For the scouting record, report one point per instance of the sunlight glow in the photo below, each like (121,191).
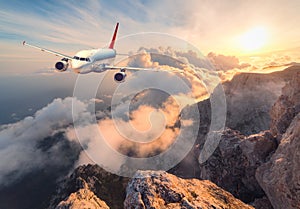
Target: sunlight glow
(253,39)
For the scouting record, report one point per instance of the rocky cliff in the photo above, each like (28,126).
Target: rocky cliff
(286,107)
(254,168)
(84,199)
(250,97)
(86,188)
(280,176)
(233,164)
(90,184)
(158,189)
(251,167)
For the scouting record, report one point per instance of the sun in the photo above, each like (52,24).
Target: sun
(253,39)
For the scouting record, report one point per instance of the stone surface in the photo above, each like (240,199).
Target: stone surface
(250,97)
(233,164)
(280,177)
(82,199)
(262,203)
(105,186)
(286,107)
(158,189)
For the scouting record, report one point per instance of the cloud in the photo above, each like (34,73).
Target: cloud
(33,143)
(150,126)
(97,100)
(188,67)
(224,63)
(20,145)
(185,57)
(149,131)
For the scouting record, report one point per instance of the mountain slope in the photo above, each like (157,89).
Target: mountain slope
(158,189)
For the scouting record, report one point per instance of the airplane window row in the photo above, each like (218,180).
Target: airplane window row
(82,59)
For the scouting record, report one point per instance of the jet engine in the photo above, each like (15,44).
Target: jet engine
(120,77)
(62,65)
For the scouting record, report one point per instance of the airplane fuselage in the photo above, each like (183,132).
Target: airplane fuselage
(85,58)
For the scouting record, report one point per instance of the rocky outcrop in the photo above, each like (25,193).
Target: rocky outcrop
(262,203)
(286,107)
(233,164)
(82,199)
(250,97)
(96,182)
(158,189)
(280,177)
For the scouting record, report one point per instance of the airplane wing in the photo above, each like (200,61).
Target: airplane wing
(175,70)
(47,50)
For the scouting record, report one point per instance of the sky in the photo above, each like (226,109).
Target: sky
(236,28)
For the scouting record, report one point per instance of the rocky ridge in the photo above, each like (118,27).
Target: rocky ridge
(158,189)
(90,182)
(286,107)
(84,199)
(233,164)
(250,97)
(280,176)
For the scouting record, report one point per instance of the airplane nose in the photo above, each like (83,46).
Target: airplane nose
(76,65)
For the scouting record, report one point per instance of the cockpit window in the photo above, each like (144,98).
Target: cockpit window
(82,58)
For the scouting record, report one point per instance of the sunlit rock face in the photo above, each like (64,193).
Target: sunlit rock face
(233,164)
(280,176)
(90,181)
(286,107)
(250,97)
(83,198)
(158,189)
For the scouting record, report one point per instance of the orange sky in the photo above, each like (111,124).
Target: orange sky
(245,29)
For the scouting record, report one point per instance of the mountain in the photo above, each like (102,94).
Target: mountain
(233,164)
(94,183)
(250,96)
(249,100)
(158,189)
(83,198)
(286,107)
(147,189)
(256,165)
(247,143)
(280,176)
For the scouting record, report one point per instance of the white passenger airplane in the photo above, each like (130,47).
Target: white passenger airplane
(85,61)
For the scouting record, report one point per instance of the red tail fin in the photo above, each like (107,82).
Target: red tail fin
(113,40)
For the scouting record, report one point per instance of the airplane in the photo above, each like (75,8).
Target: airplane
(85,61)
